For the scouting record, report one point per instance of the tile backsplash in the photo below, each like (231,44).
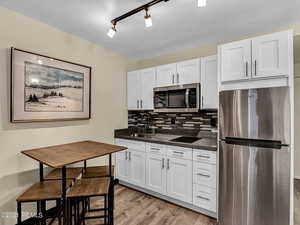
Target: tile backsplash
(202,121)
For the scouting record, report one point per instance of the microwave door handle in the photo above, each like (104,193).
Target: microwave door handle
(187,96)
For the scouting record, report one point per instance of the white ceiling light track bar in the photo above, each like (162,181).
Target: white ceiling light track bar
(148,20)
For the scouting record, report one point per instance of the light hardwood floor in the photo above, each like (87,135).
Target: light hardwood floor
(136,208)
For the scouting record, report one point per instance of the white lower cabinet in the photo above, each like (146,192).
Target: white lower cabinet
(131,167)
(179,179)
(179,173)
(205,180)
(205,174)
(122,165)
(156,173)
(205,197)
(137,167)
(131,163)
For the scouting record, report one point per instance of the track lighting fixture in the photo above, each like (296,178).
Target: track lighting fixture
(148,20)
(202,3)
(112,31)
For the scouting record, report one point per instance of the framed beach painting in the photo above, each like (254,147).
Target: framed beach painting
(48,89)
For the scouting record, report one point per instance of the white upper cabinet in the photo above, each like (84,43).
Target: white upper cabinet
(188,72)
(140,86)
(270,55)
(236,61)
(166,75)
(133,90)
(264,61)
(209,82)
(147,83)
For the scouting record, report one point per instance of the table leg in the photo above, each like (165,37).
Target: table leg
(43,203)
(64,191)
(84,165)
(111,191)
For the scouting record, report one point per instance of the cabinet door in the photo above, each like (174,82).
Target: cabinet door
(122,165)
(209,83)
(137,167)
(133,88)
(270,55)
(156,173)
(188,72)
(236,61)
(165,75)
(179,179)
(147,83)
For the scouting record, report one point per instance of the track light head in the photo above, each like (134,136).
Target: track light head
(112,31)
(202,3)
(148,19)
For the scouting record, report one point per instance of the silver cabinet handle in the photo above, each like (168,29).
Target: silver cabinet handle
(187,95)
(203,156)
(168,164)
(137,103)
(178,152)
(246,69)
(156,149)
(202,101)
(129,153)
(177,78)
(163,163)
(199,196)
(173,78)
(255,67)
(126,155)
(141,104)
(202,175)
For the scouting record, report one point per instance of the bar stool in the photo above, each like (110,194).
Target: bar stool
(84,189)
(72,173)
(97,171)
(39,192)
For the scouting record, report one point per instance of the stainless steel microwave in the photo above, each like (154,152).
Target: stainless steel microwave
(179,98)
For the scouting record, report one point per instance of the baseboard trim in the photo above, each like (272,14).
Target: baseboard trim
(168,199)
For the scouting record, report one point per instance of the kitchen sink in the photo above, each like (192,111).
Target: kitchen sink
(186,139)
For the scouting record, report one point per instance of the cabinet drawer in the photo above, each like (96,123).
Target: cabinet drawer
(180,152)
(205,156)
(133,145)
(204,197)
(155,148)
(204,174)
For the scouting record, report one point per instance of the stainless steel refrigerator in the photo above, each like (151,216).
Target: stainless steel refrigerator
(254,157)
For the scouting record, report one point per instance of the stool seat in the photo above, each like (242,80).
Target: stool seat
(45,190)
(89,187)
(72,173)
(97,171)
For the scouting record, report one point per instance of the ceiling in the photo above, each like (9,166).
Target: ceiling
(177,24)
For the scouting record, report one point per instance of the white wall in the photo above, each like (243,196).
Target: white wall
(108,101)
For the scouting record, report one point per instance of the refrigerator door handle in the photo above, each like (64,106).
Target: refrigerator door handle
(275,144)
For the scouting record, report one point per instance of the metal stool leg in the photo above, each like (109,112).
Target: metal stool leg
(38,211)
(43,211)
(105,209)
(19,209)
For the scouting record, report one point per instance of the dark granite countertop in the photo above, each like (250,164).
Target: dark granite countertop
(207,141)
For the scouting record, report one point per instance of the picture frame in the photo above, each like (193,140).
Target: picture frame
(47,89)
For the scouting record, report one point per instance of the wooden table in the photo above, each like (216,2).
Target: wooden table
(60,156)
